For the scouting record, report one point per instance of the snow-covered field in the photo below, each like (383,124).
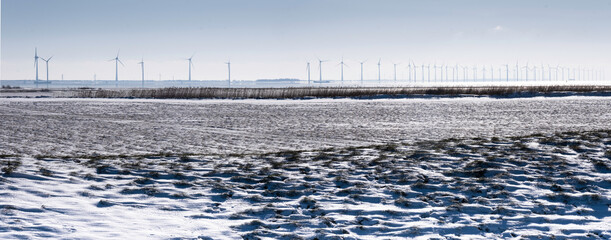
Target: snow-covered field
(537,187)
(75,127)
(287,169)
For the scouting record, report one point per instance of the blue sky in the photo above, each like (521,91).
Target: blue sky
(275,38)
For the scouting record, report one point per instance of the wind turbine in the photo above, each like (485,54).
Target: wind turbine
(228,72)
(36,65)
(395,70)
(517,72)
(190,64)
(117,61)
(415,72)
(142,63)
(428,69)
(549,73)
(526,69)
(484,73)
(409,71)
(446,73)
(342,68)
(507,71)
(308,70)
(455,71)
(47,64)
(562,78)
(320,68)
(435,71)
(422,71)
(379,71)
(362,71)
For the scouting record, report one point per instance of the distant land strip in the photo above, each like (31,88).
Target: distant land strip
(316,92)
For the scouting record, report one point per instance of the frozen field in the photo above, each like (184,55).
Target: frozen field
(311,169)
(555,186)
(84,127)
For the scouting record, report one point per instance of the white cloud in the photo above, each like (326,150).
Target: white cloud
(498,28)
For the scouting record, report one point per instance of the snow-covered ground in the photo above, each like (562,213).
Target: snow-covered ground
(551,186)
(75,127)
(463,168)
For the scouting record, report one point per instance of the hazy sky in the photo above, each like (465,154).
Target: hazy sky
(275,38)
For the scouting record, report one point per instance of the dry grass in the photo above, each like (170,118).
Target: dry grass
(329,92)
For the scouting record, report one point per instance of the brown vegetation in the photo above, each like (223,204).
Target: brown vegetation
(330,92)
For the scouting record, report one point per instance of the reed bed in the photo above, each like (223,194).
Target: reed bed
(333,92)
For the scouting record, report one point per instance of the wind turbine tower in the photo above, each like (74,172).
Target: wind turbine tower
(342,69)
(320,69)
(409,71)
(447,73)
(484,73)
(362,70)
(527,70)
(117,61)
(228,72)
(379,71)
(308,70)
(395,71)
(190,65)
(507,71)
(517,72)
(428,69)
(549,73)
(36,64)
(416,72)
(435,71)
(142,63)
(422,72)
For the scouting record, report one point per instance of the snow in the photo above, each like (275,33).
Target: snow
(282,169)
(73,127)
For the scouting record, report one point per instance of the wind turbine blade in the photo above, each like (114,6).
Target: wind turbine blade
(118,53)
(120,62)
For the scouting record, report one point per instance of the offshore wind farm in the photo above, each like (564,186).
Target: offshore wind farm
(274,119)
(441,75)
